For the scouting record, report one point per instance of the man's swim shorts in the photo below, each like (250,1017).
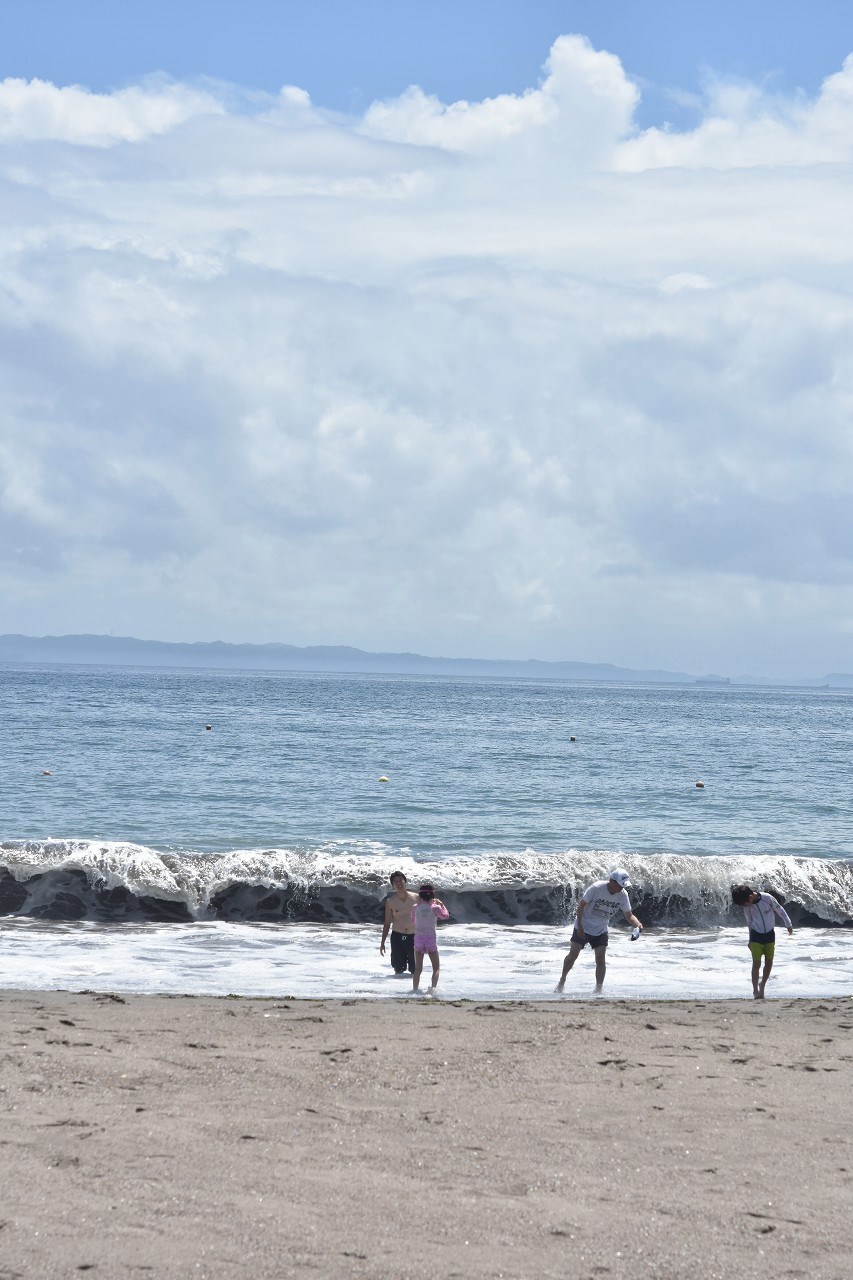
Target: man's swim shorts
(595,940)
(403,952)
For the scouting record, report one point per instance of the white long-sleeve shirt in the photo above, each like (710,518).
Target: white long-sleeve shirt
(761,916)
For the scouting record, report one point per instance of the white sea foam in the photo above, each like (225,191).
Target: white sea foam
(479,961)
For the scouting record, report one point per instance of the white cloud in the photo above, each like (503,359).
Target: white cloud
(585,102)
(684,280)
(32,110)
(500,377)
(745,127)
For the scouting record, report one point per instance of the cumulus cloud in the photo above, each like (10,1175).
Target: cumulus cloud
(509,377)
(746,127)
(585,101)
(31,110)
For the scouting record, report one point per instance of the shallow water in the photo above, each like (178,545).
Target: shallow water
(479,961)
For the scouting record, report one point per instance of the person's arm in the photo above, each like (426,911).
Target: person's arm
(440,909)
(781,914)
(579,921)
(386,926)
(632,919)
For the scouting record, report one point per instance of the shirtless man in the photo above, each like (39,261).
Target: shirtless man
(398,912)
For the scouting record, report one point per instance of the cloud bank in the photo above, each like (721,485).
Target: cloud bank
(507,378)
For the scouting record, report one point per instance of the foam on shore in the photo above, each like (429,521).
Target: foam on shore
(479,961)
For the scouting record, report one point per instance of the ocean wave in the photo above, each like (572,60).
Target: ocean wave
(110,881)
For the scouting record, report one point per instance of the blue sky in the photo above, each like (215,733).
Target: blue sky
(346,53)
(473,329)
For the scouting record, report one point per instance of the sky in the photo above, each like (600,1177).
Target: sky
(484,329)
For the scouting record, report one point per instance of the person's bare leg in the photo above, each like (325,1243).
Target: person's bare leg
(433,955)
(756,965)
(600,967)
(574,952)
(768,965)
(419,964)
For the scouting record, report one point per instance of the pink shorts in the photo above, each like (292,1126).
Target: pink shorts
(426,942)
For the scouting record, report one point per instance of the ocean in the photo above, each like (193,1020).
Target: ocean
(229,832)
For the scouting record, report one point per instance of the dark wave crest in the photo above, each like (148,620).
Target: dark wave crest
(84,879)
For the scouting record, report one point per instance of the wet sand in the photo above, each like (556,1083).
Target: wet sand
(198,1137)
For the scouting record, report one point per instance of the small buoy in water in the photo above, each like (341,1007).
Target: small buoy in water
(383,778)
(208,726)
(45,773)
(700,785)
(573,738)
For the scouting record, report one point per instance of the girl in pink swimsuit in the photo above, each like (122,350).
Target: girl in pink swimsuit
(426,911)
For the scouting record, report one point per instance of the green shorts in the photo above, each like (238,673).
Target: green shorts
(760,949)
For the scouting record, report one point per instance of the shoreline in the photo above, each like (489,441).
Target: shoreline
(214,1136)
(545,1002)
(479,962)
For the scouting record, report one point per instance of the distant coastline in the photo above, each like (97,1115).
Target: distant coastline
(217,654)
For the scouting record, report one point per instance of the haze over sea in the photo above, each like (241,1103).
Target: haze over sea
(158,854)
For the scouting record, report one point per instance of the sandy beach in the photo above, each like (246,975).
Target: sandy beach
(200,1137)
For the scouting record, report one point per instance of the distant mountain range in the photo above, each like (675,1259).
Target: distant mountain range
(127,651)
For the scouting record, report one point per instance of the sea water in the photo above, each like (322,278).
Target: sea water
(221,831)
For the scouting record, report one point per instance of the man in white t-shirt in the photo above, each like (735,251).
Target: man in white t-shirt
(599,902)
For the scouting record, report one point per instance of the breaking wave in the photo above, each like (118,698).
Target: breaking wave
(87,879)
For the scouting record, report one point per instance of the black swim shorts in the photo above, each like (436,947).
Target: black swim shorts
(403,952)
(595,940)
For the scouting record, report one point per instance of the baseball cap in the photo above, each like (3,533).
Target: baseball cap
(621,878)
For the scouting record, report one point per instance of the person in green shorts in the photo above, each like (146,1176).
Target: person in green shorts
(761,911)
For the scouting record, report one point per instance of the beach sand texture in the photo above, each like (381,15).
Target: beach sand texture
(418,1139)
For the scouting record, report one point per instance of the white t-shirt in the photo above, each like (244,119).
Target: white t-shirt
(601,904)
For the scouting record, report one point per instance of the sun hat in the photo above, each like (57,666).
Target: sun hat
(621,878)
